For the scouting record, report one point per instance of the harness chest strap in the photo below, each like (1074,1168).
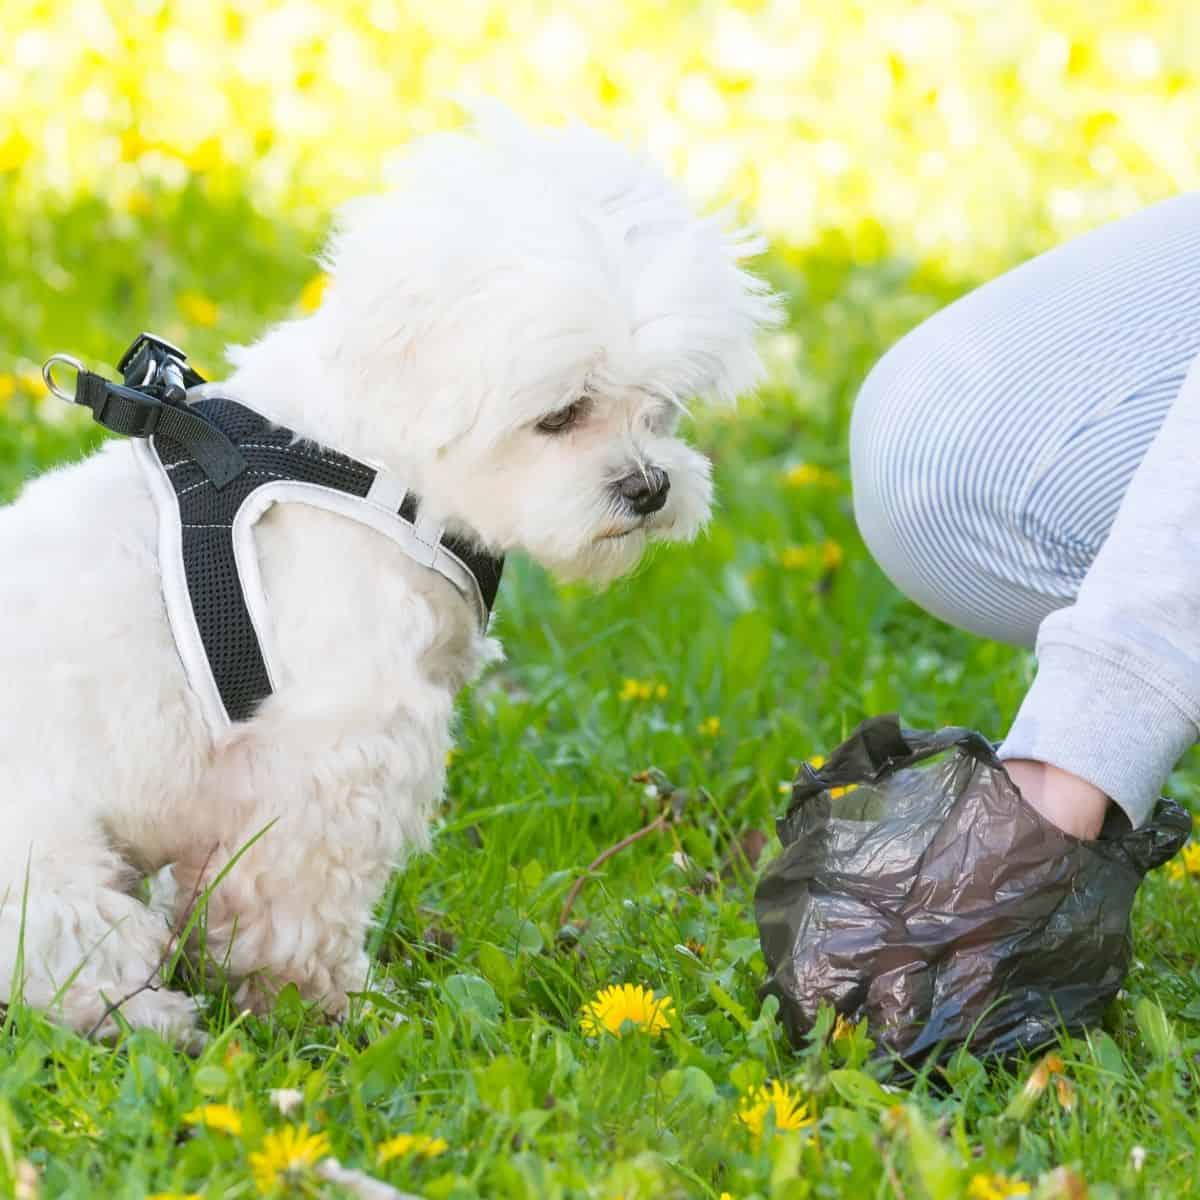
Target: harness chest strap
(213,589)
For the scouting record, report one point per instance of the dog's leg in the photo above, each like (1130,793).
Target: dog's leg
(338,807)
(86,949)
(267,928)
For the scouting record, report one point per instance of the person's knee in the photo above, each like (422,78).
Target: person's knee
(901,461)
(926,497)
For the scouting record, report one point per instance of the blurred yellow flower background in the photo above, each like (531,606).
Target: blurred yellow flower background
(959,128)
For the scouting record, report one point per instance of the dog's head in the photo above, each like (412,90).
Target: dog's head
(529,313)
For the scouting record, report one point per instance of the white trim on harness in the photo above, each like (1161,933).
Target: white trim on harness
(420,542)
(180,614)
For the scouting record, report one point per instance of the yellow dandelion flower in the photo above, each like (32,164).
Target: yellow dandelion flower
(832,556)
(1038,1081)
(796,558)
(995,1187)
(710,726)
(132,145)
(1188,862)
(216,1116)
(8,387)
(1050,1067)
(642,689)
(816,763)
(810,475)
(621,1003)
(204,156)
(137,203)
(802,475)
(286,1153)
(419,1144)
(233,1052)
(313,292)
(15,149)
(778,1100)
(31,383)
(726,1196)
(198,309)
(843,1029)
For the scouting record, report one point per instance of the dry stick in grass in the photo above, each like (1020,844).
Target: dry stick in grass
(893,1178)
(660,822)
(155,972)
(176,934)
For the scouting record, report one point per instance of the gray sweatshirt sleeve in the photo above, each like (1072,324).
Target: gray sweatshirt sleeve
(1116,700)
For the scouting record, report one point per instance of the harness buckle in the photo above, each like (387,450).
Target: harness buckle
(152,340)
(151,362)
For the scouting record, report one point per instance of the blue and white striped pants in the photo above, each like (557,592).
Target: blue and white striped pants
(1026,465)
(992,446)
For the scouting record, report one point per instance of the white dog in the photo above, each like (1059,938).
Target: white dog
(513,332)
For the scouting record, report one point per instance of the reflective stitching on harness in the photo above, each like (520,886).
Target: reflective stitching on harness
(208,483)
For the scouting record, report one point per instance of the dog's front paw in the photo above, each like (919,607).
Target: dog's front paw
(171,1014)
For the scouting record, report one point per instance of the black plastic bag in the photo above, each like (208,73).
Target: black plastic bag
(938,904)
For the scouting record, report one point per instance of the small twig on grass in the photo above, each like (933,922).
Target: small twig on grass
(660,822)
(197,902)
(151,983)
(894,1179)
(674,801)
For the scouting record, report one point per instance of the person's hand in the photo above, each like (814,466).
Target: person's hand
(1074,805)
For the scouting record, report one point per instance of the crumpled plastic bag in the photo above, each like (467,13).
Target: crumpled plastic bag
(938,904)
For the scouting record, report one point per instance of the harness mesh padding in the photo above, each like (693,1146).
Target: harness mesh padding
(207,515)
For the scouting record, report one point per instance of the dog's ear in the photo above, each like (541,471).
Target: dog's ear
(699,312)
(395,319)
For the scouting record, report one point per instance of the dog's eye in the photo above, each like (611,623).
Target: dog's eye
(559,422)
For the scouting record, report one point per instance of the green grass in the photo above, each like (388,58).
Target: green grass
(471,1032)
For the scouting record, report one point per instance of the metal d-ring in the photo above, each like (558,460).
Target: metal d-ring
(48,374)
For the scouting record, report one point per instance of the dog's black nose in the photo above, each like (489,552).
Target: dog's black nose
(645,491)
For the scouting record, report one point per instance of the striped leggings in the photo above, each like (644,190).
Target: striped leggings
(993,448)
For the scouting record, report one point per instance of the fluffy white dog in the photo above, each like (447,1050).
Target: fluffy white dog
(514,332)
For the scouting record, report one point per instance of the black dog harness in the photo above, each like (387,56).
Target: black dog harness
(214,467)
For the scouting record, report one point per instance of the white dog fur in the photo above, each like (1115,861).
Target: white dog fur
(513,273)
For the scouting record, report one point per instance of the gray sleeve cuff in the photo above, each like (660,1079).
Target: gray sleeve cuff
(1095,716)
